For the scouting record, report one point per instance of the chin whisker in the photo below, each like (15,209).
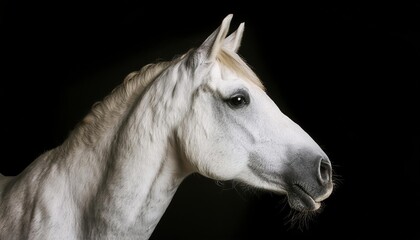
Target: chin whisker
(300,219)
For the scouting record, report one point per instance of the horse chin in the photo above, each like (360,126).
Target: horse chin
(300,200)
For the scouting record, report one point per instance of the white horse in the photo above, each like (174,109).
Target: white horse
(117,172)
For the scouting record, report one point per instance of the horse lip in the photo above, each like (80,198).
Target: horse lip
(302,199)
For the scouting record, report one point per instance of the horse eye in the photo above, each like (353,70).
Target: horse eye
(238,101)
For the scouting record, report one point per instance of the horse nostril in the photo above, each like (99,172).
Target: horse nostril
(325,171)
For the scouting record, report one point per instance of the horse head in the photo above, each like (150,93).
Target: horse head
(234,131)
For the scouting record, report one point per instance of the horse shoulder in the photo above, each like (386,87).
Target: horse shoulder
(33,202)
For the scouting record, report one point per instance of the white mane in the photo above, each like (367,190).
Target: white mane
(105,113)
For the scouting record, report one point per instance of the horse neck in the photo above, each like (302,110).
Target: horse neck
(143,168)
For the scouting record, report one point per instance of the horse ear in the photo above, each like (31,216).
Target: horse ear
(212,45)
(233,41)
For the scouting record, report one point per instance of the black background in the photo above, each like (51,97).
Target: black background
(347,73)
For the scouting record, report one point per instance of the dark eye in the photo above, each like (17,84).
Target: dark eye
(238,100)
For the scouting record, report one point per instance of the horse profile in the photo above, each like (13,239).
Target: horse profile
(204,112)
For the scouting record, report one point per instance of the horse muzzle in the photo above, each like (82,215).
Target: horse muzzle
(309,182)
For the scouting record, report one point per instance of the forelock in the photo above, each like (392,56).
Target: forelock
(236,64)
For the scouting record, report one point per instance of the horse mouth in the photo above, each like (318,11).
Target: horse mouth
(300,199)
